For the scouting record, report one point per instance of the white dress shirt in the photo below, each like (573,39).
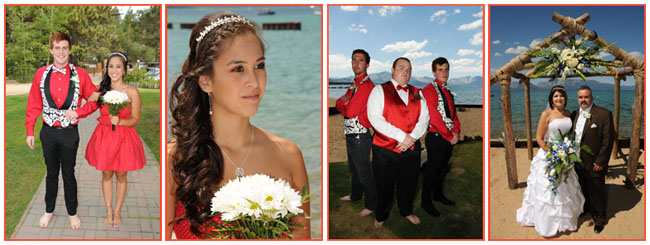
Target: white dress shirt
(580,124)
(376,109)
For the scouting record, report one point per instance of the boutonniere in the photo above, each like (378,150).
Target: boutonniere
(73,76)
(416,95)
(355,86)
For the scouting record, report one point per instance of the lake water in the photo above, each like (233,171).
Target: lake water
(468,96)
(539,101)
(291,107)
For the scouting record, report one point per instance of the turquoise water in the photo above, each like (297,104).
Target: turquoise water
(291,107)
(539,101)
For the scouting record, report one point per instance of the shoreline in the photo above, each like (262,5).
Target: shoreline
(470,129)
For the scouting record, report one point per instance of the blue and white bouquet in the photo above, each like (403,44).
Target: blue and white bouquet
(561,157)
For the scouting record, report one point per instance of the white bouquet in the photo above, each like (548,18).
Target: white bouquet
(256,207)
(115,101)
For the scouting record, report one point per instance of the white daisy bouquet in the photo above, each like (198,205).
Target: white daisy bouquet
(115,101)
(561,157)
(256,207)
(576,56)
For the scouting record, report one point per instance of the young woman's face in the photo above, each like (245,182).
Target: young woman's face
(558,100)
(238,80)
(115,68)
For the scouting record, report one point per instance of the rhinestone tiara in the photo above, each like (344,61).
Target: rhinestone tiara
(120,54)
(219,22)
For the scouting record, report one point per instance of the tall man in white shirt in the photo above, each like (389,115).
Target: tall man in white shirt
(594,128)
(399,116)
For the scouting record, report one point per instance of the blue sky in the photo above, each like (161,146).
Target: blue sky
(421,33)
(514,28)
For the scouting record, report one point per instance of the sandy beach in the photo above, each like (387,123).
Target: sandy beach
(337,151)
(625,208)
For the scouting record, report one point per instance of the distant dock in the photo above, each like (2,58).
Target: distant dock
(292,25)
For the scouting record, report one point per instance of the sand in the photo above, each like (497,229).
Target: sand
(337,151)
(625,207)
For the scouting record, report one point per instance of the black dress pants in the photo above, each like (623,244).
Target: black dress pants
(358,146)
(435,169)
(392,170)
(60,152)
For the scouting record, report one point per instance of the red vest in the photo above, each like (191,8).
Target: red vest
(398,114)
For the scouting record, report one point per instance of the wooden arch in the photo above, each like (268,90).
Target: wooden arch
(570,26)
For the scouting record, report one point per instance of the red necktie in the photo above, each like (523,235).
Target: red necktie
(405,88)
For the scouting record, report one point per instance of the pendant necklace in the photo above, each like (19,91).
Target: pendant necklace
(239,170)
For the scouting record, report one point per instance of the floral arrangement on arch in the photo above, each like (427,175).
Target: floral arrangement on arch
(578,57)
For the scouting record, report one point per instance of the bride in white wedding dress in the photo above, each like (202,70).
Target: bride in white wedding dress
(540,208)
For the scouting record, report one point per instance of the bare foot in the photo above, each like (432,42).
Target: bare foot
(108,222)
(45,220)
(117,219)
(365,212)
(378,224)
(413,219)
(75,222)
(345,198)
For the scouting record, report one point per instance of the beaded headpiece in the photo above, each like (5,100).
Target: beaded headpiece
(220,22)
(121,55)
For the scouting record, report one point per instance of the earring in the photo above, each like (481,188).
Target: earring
(210,99)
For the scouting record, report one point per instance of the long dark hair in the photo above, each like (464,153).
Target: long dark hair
(105,85)
(196,161)
(557,88)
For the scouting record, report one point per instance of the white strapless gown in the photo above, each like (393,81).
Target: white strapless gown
(551,214)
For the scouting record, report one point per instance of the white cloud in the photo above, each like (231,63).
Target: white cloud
(496,42)
(370,12)
(407,46)
(440,15)
(340,62)
(470,26)
(462,61)
(456,11)
(415,55)
(465,52)
(603,55)
(426,66)
(516,43)
(385,10)
(465,65)
(479,14)
(637,54)
(520,49)
(378,66)
(350,8)
(535,42)
(359,28)
(477,39)
(498,54)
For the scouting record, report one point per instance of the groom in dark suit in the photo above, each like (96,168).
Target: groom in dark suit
(594,128)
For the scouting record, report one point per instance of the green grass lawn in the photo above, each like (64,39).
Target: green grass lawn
(25,169)
(464,184)
(149,126)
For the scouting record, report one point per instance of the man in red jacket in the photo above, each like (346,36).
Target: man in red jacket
(358,139)
(444,128)
(56,92)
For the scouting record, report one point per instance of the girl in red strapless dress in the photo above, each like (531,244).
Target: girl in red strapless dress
(116,152)
(119,150)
